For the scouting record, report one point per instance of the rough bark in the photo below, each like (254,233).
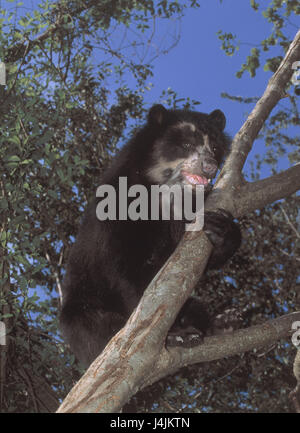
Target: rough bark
(136,356)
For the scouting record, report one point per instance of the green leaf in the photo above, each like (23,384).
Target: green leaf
(3,203)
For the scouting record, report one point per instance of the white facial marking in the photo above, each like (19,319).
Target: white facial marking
(182,125)
(206,140)
(156,172)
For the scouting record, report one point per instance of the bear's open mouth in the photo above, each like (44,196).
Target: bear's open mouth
(195,179)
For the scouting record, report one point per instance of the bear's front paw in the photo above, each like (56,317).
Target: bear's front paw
(224,234)
(217,225)
(185,337)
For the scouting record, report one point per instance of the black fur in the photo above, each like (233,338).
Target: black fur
(112,262)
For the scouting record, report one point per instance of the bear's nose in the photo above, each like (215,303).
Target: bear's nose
(209,167)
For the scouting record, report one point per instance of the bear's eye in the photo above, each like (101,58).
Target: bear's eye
(186,145)
(167,172)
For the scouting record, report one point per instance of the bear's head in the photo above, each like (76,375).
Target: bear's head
(188,146)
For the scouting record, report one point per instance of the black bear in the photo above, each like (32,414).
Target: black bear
(113,261)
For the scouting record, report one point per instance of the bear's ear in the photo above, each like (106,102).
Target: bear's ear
(218,118)
(157,114)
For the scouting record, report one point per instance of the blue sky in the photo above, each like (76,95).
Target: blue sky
(199,69)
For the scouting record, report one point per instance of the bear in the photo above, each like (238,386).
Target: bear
(113,261)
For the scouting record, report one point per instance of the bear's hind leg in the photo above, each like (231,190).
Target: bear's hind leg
(89,330)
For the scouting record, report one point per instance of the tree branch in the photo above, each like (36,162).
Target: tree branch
(221,346)
(258,194)
(129,360)
(276,90)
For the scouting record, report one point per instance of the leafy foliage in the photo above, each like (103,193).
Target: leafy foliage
(278,14)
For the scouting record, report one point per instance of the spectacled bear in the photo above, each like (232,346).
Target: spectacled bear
(113,261)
